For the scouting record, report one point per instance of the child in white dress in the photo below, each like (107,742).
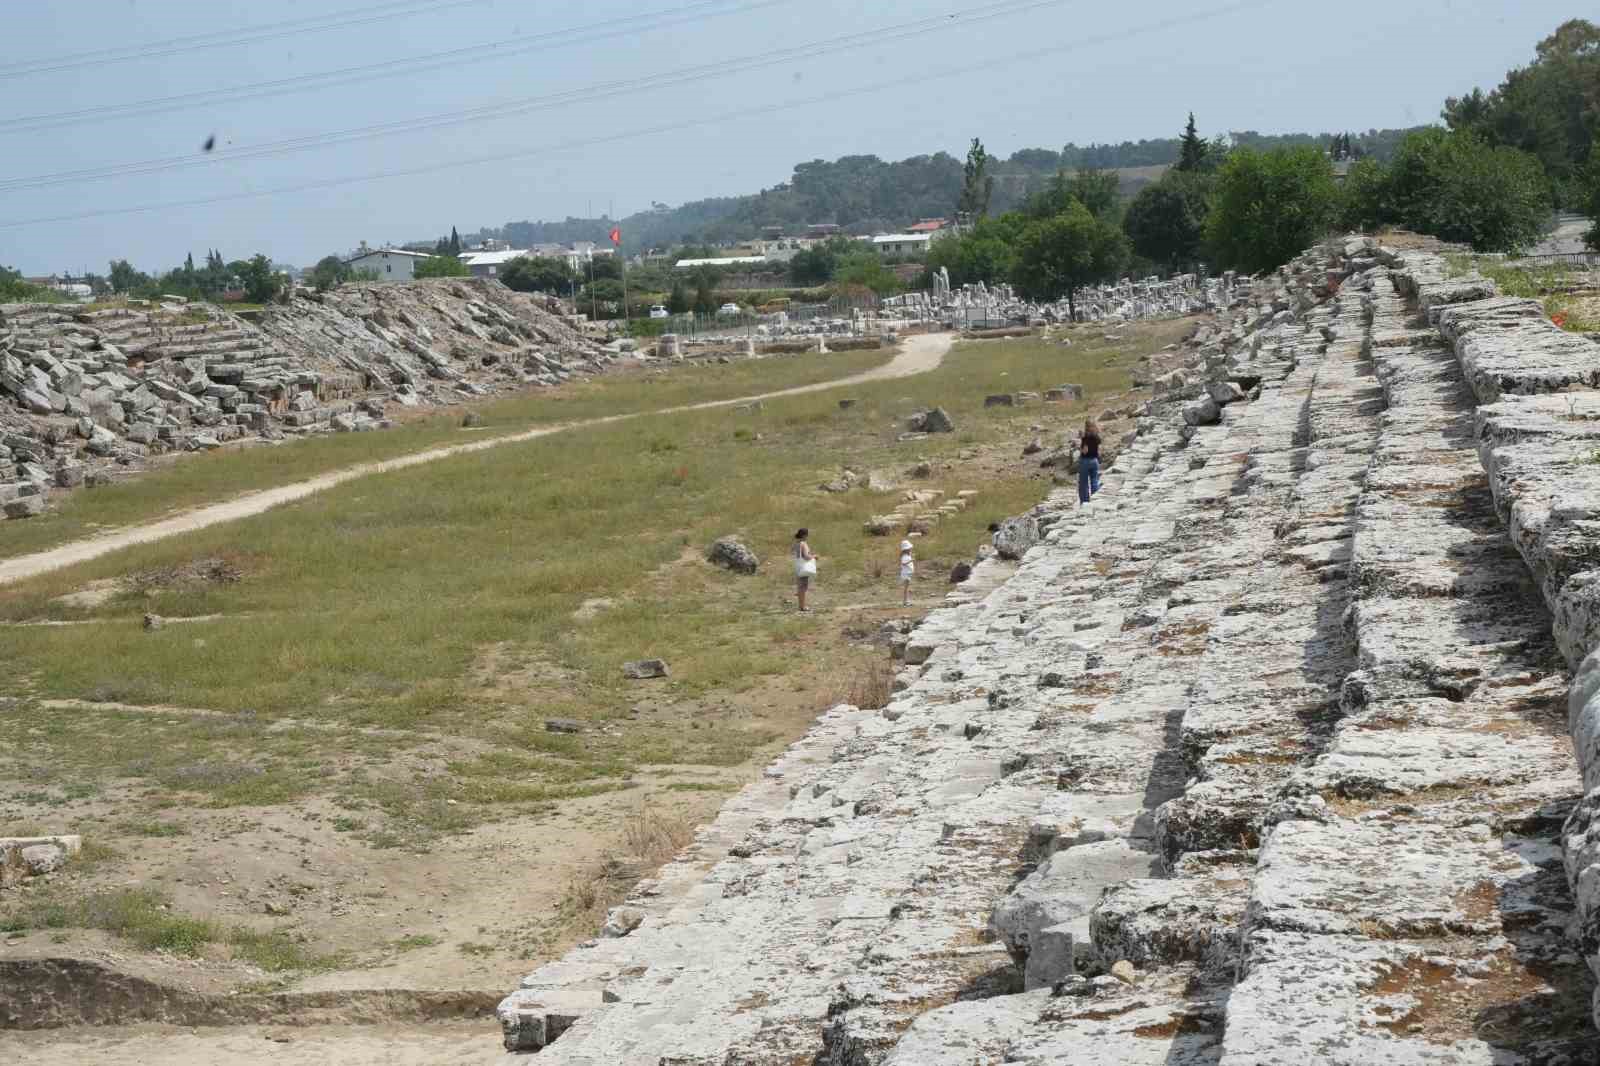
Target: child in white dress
(908,567)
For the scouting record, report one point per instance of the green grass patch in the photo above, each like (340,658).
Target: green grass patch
(398,645)
(413,941)
(144,918)
(208,477)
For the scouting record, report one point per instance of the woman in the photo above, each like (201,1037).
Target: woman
(805,566)
(908,569)
(1088,461)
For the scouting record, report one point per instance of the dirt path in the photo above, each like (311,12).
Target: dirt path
(454,1044)
(917,355)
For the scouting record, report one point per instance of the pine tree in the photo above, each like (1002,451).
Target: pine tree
(455,242)
(1192,155)
(977,184)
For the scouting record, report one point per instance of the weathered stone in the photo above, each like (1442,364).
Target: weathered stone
(1015,536)
(730,553)
(644,669)
(24,507)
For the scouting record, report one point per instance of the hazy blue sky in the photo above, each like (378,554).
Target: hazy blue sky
(1121,71)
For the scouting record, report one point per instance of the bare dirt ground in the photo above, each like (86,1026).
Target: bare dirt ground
(918,355)
(453,1044)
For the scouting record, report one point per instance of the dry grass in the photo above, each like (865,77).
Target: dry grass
(651,838)
(870,687)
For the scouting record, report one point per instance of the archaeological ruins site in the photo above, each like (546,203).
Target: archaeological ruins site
(1272,754)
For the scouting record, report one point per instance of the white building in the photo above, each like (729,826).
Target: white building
(906,244)
(390,264)
(490,264)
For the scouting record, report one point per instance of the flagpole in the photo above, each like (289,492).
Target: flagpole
(627,319)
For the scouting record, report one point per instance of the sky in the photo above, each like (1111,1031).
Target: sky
(626,104)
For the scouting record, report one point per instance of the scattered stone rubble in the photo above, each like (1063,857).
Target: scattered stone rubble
(981,306)
(86,395)
(1257,759)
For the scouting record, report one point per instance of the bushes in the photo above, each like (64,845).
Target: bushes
(1269,206)
(14,289)
(1456,187)
(1167,221)
(537,274)
(1064,253)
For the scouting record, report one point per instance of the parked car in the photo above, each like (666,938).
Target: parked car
(658,311)
(729,309)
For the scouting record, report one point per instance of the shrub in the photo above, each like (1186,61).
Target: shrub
(1270,206)
(1456,187)
(1167,220)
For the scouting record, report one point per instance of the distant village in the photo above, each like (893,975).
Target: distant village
(488,258)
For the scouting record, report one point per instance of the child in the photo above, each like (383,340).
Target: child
(908,567)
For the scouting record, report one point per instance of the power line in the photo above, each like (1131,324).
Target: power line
(587,94)
(269,31)
(567,146)
(490,50)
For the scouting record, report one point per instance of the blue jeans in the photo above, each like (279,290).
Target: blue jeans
(1088,479)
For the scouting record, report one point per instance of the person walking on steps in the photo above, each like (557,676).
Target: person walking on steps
(805,566)
(908,567)
(1088,460)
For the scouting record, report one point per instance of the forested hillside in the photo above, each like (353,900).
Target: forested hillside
(864,193)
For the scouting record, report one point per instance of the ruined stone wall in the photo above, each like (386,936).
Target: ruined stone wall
(86,395)
(1258,759)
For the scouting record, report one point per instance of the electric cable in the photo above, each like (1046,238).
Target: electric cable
(673,127)
(587,94)
(394,68)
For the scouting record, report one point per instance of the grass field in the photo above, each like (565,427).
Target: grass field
(192,480)
(391,651)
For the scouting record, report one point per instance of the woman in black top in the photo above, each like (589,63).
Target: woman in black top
(1088,461)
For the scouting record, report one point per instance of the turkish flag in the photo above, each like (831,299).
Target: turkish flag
(616,235)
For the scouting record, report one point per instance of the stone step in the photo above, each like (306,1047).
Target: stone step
(1410,886)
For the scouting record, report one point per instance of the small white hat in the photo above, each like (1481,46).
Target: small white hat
(905,545)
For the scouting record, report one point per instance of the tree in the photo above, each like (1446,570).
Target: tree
(1191,149)
(455,243)
(1269,206)
(1591,198)
(1057,256)
(678,301)
(816,265)
(440,266)
(864,269)
(1457,187)
(986,253)
(529,273)
(606,290)
(261,283)
(1166,222)
(977,185)
(705,301)
(124,278)
(1366,196)
(1550,108)
(329,273)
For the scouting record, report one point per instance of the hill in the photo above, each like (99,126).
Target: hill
(864,193)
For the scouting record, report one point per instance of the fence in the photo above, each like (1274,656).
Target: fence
(1584,260)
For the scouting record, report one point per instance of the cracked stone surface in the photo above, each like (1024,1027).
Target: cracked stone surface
(1275,727)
